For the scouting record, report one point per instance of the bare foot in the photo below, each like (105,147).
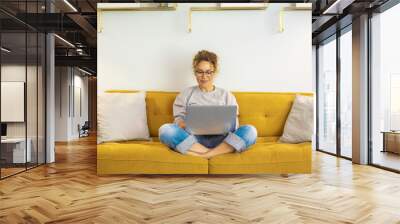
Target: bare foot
(194,153)
(206,155)
(222,148)
(203,155)
(199,148)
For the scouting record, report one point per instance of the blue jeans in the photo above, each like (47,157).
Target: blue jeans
(180,140)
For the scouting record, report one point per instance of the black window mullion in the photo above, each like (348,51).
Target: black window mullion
(317,96)
(26,87)
(45,93)
(369,90)
(338,82)
(37,89)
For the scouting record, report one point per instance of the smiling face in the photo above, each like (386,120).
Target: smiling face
(205,74)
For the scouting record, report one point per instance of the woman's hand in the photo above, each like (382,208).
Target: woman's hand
(182,124)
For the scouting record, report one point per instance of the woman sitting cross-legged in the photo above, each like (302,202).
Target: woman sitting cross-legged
(205,66)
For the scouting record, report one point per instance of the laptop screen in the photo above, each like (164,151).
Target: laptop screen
(3,129)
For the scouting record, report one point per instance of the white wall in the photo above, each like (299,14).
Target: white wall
(69,82)
(62,81)
(79,117)
(153,50)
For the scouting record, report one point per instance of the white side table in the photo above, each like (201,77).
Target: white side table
(19,149)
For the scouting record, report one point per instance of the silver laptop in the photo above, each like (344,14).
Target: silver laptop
(210,120)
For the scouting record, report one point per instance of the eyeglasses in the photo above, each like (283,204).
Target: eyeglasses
(199,73)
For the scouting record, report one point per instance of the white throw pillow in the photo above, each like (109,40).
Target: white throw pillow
(122,116)
(299,126)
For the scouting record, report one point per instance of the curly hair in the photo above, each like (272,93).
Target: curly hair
(205,55)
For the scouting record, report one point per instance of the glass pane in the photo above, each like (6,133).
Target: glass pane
(394,102)
(31,100)
(327,97)
(386,89)
(22,88)
(31,87)
(13,87)
(41,98)
(346,94)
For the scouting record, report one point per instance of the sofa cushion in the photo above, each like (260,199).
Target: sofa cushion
(267,112)
(146,158)
(159,109)
(152,157)
(267,139)
(269,116)
(269,157)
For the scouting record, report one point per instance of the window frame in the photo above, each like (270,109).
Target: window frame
(334,37)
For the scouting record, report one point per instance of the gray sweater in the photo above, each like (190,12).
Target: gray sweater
(194,96)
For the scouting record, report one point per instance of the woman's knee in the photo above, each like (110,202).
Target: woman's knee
(172,135)
(167,131)
(248,133)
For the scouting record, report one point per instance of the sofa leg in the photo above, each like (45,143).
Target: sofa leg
(286,175)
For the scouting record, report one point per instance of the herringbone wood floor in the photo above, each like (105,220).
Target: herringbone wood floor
(69,191)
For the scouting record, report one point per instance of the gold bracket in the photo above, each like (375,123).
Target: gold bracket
(135,7)
(219,7)
(296,7)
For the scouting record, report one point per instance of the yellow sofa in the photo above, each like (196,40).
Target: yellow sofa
(266,111)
